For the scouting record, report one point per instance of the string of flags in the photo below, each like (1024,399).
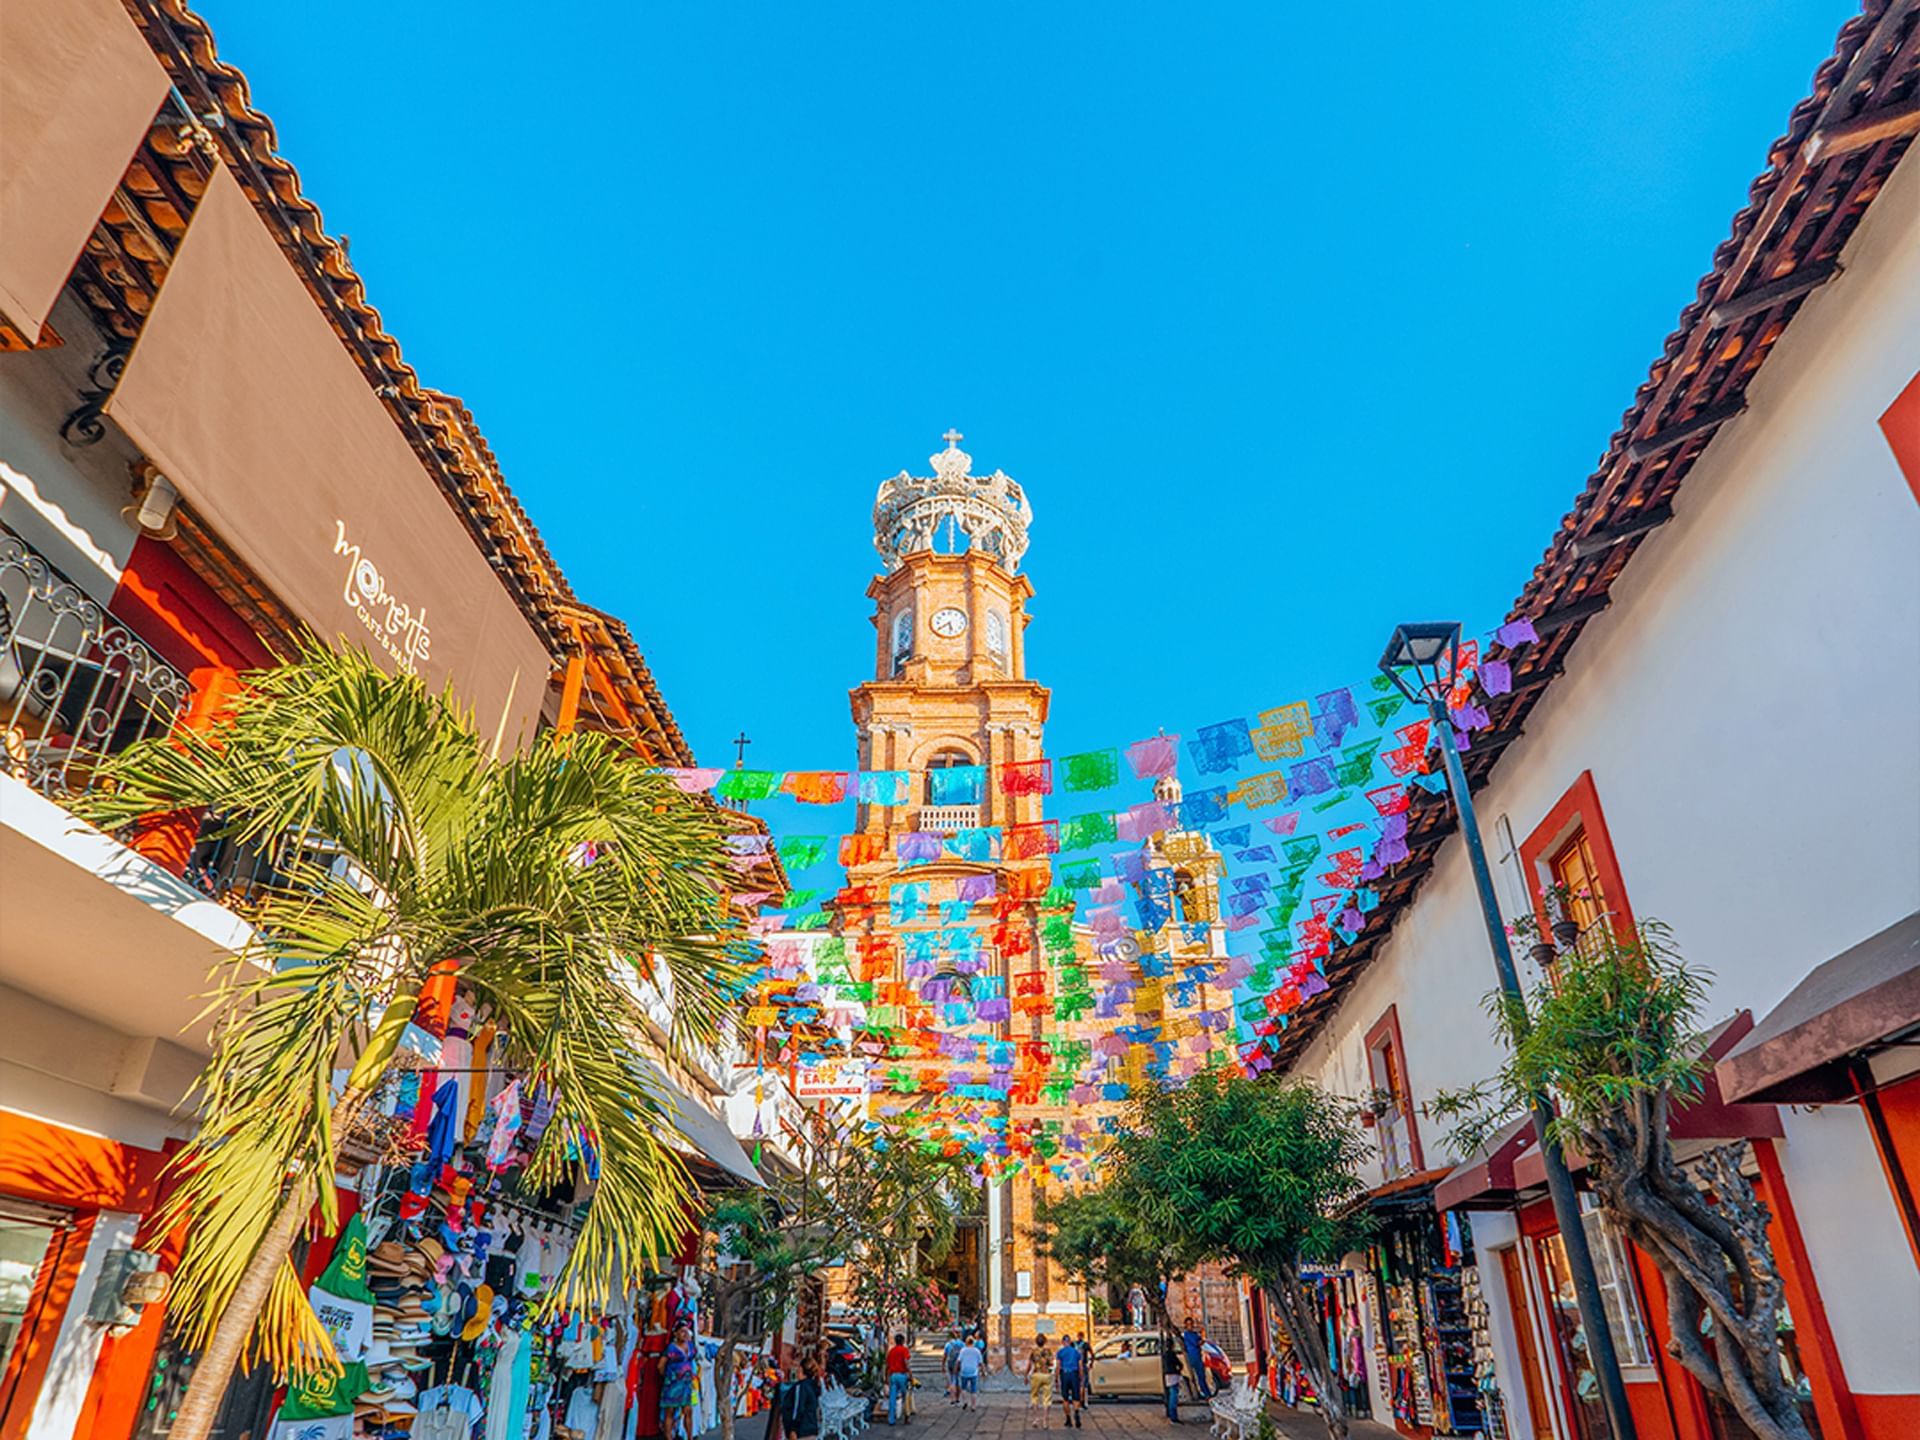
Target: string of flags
(1006,1014)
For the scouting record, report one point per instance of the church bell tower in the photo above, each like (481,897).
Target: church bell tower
(950,689)
(949,680)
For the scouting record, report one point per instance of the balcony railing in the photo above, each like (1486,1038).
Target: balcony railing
(945,819)
(75,685)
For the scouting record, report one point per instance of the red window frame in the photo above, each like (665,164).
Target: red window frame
(1385,1035)
(1576,811)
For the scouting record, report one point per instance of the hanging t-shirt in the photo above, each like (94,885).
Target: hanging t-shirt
(340,1296)
(446,1412)
(583,1415)
(322,1397)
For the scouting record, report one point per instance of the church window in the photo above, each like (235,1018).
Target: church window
(997,635)
(902,639)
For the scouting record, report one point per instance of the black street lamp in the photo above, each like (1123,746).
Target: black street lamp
(1432,653)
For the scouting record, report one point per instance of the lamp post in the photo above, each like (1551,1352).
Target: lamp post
(1421,649)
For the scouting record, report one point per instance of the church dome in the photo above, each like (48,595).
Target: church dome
(952,509)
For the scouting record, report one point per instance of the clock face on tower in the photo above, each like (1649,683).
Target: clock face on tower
(949,622)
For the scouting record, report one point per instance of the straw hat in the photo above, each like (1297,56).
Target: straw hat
(482,1312)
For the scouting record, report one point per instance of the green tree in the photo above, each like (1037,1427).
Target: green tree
(1261,1174)
(1098,1237)
(895,1199)
(765,1246)
(1613,1035)
(552,882)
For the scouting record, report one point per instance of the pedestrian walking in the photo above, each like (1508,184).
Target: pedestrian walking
(1040,1382)
(970,1362)
(899,1377)
(677,1367)
(1190,1342)
(1086,1365)
(800,1406)
(951,1355)
(1170,1368)
(1070,1368)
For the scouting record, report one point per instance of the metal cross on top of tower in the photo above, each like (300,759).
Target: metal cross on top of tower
(953,438)
(740,743)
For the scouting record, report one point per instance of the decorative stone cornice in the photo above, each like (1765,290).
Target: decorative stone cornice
(990,511)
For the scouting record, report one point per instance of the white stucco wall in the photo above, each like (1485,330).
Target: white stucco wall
(1749,708)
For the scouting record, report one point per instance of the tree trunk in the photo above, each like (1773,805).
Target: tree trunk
(723,1384)
(1715,1260)
(1304,1321)
(214,1368)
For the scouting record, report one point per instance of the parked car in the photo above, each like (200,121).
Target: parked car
(1129,1364)
(845,1354)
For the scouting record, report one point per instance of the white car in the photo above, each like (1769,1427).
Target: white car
(1129,1364)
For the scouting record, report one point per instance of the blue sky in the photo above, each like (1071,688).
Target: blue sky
(1294,322)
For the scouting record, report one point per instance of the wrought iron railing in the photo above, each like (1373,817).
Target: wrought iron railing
(75,684)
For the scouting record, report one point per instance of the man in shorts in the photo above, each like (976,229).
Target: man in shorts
(952,1356)
(971,1361)
(1070,1375)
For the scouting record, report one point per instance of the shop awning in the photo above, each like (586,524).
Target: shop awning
(79,87)
(703,1131)
(1862,1000)
(1487,1180)
(1405,1191)
(239,389)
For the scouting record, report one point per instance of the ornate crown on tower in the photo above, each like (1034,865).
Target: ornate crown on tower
(988,513)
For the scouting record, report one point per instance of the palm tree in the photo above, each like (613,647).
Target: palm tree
(557,884)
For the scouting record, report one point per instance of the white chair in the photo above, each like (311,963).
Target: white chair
(1236,1413)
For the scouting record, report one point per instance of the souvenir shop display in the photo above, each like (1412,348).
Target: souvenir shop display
(1337,1296)
(1428,1346)
(1493,1410)
(435,1292)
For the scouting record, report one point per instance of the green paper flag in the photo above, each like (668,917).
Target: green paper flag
(1092,770)
(1083,832)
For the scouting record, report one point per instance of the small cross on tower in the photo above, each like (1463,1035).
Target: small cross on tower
(740,743)
(953,438)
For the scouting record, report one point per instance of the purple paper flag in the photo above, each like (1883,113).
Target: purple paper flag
(978,887)
(1515,632)
(1496,677)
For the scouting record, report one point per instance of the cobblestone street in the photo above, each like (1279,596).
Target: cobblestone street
(1004,1414)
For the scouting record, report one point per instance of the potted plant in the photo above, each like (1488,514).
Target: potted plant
(1542,951)
(1559,898)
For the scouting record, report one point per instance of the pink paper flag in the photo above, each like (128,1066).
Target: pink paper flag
(1154,758)
(694,782)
